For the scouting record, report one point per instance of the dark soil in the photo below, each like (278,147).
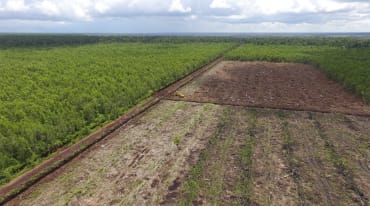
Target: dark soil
(228,155)
(272,85)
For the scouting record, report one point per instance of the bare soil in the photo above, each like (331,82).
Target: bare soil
(350,139)
(73,153)
(136,167)
(222,171)
(191,152)
(272,85)
(273,182)
(319,180)
(308,175)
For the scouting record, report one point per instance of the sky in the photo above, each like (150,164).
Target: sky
(177,16)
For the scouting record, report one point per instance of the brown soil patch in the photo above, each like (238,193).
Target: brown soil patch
(136,167)
(27,179)
(351,140)
(273,182)
(228,155)
(307,174)
(315,160)
(223,178)
(272,85)
(143,166)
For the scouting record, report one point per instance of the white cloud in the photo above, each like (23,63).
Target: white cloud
(268,7)
(294,6)
(177,6)
(16,5)
(81,13)
(289,11)
(220,4)
(243,14)
(101,7)
(49,8)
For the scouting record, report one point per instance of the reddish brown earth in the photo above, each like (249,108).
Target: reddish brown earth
(272,85)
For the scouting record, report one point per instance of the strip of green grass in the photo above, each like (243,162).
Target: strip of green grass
(349,66)
(54,96)
(340,164)
(194,183)
(244,188)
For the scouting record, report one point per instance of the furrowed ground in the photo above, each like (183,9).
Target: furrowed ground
(348,66)
(210,145)
(289,157)
(242,133)
(53,96)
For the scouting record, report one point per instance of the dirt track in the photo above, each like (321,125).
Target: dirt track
(228,155)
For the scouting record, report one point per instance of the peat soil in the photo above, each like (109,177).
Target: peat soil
(286,158)
(137,165)
(272,85)
(231,151)
(312,150)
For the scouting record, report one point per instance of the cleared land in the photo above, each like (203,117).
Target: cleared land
(213,148)
(51,97)
(278,85)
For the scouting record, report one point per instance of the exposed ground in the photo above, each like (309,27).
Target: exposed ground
(272,85)
(136,166)
(215,148)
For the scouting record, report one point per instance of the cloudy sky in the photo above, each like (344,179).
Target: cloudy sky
(154,16)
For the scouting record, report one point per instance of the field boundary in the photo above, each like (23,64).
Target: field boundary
(26,180)
(175,98)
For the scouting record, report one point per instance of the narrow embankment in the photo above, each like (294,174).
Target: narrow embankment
(210,144)
(23,182)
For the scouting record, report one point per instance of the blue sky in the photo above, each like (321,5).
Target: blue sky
(153,16)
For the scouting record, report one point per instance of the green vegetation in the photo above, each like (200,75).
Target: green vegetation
(288,147)
(340,163)
(49,40)
(54,96)
(56,89)
(244,188)
(349,66)
(195,181)
(176,140)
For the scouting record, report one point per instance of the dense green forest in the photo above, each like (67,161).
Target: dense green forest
(349,66)
(39,40)
(53,96)
(56,89)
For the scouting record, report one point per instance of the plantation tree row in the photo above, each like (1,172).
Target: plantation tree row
(56,89)
(51,97)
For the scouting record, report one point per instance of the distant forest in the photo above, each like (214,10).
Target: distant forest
(56,89)
(48,40)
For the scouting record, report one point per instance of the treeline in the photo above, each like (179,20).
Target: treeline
(51,97)
(349,66)
(49,40)
(311,41)
(56,89)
